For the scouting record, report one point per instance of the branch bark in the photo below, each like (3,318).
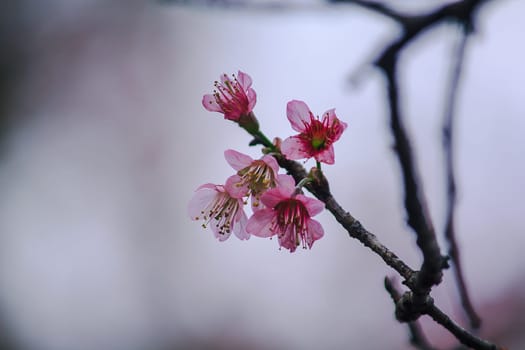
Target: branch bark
(320,189)
(448,128)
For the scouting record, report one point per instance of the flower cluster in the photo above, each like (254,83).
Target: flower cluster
(278,204)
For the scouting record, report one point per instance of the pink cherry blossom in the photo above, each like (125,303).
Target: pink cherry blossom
(232,97)
(253,177)
(220,210)
(316,137)
(287,215)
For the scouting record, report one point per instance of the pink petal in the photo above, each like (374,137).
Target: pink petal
(272,197)
(293,148)
(326,156)
(208,102)
(209,185)
(288,241)
(271,162)
(260,222)
(315,230)
(341,127)
(257,207)
(200,200)
(334,123)
(220,236)
(286,181)
(330,114)
(244,80)
(252,98)
(237,160)
(314,206)
(298,114)
(240,226)
(234,188)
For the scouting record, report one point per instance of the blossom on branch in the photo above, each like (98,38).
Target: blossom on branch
(253,177)
(287,215)
(232,97)
(315,136)
(220,209)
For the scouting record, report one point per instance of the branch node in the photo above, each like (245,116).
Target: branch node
(410,306)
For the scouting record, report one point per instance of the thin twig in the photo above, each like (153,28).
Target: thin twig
(375,6)
(417,337)
(448,128)
(459,332)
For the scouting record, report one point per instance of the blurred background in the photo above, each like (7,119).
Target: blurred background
(104,139)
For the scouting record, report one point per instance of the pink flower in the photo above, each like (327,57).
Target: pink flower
(316,136)
(287,215)
(253,177)
(219,209)
(233,97)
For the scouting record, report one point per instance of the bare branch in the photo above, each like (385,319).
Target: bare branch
(377,7)
(417,337)
(448,128)
(320,189)
(459,332)
(418,216)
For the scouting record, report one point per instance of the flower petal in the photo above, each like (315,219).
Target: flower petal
(239,228)
(237,160)
(286,181)
(201,199)
(315,231)
(235,188)
(210,185)
(330,114)
(209,102)
(314,206)
(252,99)
(244,80)
(326,156)
(288,240)
(293,148)
(214,225)
(298,114)
(257,204)
(260,222)
(336,125)
(272,197)
(271,162)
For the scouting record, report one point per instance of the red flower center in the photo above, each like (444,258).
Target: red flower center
(231,97)
(319,134)
(290,223)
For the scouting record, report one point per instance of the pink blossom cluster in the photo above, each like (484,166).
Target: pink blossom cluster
(278,205)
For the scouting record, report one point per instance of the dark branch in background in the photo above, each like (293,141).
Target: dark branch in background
(377,7)
(448,127)
(418,216)
(417,337)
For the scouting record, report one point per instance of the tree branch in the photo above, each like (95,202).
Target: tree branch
(320,189)
(417,337)
(375,6)
(448,124)
(418,216)
(459,332)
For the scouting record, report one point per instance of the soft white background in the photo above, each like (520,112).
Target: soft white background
(96,250)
